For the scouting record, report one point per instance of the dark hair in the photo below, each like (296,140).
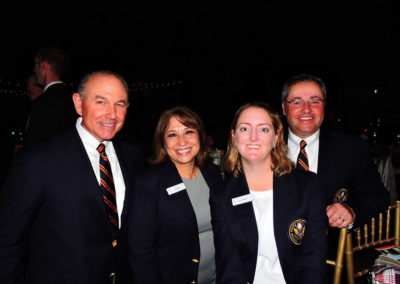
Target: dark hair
(188,118)
(281,164)
(56,58)
(87,77)
(304,77)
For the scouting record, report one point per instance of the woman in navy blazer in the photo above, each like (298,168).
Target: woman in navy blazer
(269,222)
(170,234)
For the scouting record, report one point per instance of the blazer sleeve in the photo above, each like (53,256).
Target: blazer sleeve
(142,228)
(228,263)
(369,189)
(19,203)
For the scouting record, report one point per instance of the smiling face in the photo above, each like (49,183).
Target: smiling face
(254,136)
(104,106)
(304,120)
(181,143)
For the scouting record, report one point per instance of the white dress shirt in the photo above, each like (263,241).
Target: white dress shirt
(268,267)
(91,143)
(312,149)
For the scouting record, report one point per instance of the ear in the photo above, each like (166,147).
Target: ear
(44,67)
(283,109)
(77,103)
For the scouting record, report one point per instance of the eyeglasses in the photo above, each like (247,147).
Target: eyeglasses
(314,102)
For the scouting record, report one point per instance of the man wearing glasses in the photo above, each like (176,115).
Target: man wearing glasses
(354,191)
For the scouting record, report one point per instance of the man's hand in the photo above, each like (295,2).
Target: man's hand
(340,215)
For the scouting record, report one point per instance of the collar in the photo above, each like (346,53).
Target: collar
(310,139)
(88,138)
(51,84)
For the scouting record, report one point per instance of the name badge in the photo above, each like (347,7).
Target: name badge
(176,188)
(242,199)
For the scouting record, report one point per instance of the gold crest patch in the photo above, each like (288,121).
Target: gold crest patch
(296,231)
(341,195)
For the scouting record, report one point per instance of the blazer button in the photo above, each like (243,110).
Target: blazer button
(114,243)
(195,260)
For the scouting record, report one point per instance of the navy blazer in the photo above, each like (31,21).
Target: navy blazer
(163,232)
(295,196)
(344,162)
(51,113)
(54,225)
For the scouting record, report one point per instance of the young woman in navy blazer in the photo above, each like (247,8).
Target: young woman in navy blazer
(269,221)
(170,234)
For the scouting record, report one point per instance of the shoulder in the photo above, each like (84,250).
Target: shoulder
(299,179)
(211,170)
(130,153)
(335,137)
(151,174)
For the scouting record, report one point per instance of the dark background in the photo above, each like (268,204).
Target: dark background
(213,57)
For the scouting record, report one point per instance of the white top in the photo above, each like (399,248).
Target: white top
(268,269)
(312,149)
(90,143)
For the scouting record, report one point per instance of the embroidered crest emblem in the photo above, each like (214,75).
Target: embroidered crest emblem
(341,195)
(296,231)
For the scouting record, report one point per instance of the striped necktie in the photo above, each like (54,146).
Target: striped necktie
(302,160)
(107,187)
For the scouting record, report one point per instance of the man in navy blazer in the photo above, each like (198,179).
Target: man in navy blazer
(353,188)
(54,107)
(55,227)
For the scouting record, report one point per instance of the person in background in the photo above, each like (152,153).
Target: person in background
(349,178)
(33,90)
(269,222)
(53,111)
(63,207)
(170,235)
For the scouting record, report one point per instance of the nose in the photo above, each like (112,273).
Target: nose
(111,112)
(253,135)
(306,106)
(181,140)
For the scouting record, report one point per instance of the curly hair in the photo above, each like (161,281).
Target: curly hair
(281,164)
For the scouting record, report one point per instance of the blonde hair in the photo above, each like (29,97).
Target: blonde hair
(281,164)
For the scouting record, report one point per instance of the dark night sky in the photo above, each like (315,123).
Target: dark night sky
(224,54)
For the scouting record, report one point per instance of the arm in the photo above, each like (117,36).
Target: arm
(228,263)
(19,202)
(143,230)
(371,197)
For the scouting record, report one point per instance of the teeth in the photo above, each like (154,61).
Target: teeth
(107,124)
(253,146)
(305,118)
(183,151)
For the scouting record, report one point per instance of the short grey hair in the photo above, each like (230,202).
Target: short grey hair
(304,77)
(87,77)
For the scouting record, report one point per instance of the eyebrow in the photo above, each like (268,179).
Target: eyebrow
(104,98)
(246,123)
(300,97)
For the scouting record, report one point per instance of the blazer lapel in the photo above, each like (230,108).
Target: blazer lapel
(244,214)
(181,198)
(127,180)
(323,154)
(281,206)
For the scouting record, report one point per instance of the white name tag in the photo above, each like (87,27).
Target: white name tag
(176,188)
(242,199)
